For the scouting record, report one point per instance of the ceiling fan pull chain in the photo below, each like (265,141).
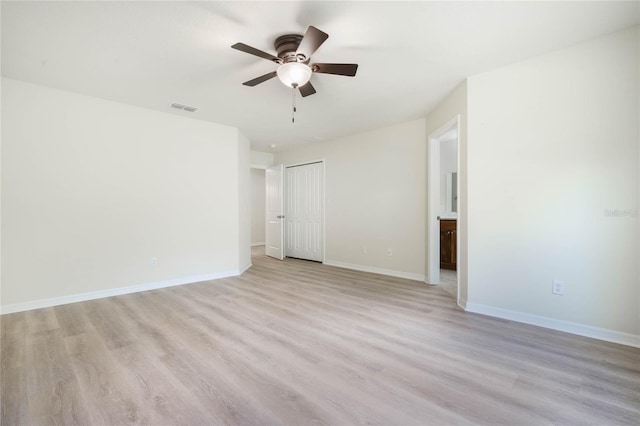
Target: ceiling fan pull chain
(293,104)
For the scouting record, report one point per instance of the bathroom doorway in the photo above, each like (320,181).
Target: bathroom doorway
(442,223)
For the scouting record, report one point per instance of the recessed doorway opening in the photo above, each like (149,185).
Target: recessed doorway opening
(295,211)
(443,207)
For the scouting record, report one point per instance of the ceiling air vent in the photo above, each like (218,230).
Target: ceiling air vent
(184,107)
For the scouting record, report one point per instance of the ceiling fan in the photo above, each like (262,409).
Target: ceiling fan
(294,53)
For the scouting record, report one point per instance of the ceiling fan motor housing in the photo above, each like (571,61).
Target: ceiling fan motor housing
(287,45)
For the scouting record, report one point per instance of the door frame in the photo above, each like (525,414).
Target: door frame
(433,203)
(324,202)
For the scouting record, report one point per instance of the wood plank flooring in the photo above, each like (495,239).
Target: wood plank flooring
(299,343)
(449,282)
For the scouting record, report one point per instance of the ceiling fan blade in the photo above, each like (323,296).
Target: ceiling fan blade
(253,51)
(260,79)
(307,90)
(339,69)
(312,39)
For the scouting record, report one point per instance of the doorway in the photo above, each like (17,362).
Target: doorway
(442,211)
(258,204)
(295,211)
(304,211)
(274,217)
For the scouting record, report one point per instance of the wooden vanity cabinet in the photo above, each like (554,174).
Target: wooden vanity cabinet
(448,243)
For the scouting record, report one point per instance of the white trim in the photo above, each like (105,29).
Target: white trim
(460,215)
(374,270)
(445,127)
(82,297)
(258,244)
(243,270)
(304,163)
(259,166)
(324,209)
(433,201)
(462,302)
(433,210)
(555,324)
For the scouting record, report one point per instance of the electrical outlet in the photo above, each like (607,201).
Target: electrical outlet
(364,249)
(389,252)
(154,261)
(557,287)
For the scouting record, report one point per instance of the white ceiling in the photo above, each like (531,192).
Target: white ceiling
(410,55)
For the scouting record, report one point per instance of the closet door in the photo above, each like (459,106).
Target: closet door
(304,211)
(274,228)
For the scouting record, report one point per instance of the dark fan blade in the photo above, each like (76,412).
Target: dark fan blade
(339,69)
(312,39)
(260,79)
(253,51)
(307,90)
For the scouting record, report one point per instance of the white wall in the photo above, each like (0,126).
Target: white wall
(455,104)
(261,160)
(244,200)
(553,144)
(1,91)
(375,198)
(257,206)
(93,189)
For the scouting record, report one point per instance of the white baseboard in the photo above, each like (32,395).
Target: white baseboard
(373,269)
(257,244)
(462,303)
(82,297)
(243,270)
(555,324)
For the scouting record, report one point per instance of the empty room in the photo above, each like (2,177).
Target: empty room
(320,212)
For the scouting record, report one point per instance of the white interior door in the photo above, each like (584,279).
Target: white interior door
(304,211)
(274,226)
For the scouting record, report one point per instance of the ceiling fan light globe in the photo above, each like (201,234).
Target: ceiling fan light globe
(294,74)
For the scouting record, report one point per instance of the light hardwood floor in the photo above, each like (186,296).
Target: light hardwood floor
(449,282)
(300,343)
